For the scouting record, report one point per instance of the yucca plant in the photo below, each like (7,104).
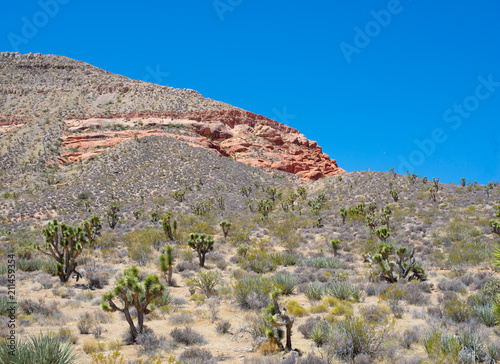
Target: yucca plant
(43,349)
(314,291)
(343,291)
(285,282)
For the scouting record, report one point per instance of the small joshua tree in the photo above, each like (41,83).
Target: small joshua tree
(463,181)
(433,193)
(279,318)
(264,207)
(167,263)
(495,224)
(395,195)
(246,191)
(402,267)
(335,244)
(112,214)
(385,216)
(130,292)
(343,213)
(225,226)
(64,243)
(382,233)
(169,227)
(201,244)
(371,221)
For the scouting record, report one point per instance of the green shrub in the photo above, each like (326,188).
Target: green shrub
(38,350)
(29,265)
(207,281)
(258,261)
(285,259)
(486,315)
(140,243)
(253,292)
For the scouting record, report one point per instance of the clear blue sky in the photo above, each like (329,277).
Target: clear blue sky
(366,99)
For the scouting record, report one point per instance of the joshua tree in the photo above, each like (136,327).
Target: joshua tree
(395,195)
(279,318)
(225,226)
(202,244)
(382,233)
(302,192)
(130,292)
(412,178)
(372,207)
(343,214)
(273,194)
(385,216)
(463,182)
(64,243)
(371,221)
(424,180)
(169,226)
(495,224)
(91,229)
(488,187)
(335,244)
(167,263)
(433,193)
(264,207)
(246,191)
(112,214)
(397,269)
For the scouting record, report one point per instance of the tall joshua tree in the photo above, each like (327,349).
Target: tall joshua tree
(201,244)
(169,226)
(167,263)
(64,243)
(129,292)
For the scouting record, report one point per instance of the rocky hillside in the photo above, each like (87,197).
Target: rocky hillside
(69,111)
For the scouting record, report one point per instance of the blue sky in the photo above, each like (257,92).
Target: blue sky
(410,84)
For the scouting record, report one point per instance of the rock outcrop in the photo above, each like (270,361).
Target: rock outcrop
(247,137)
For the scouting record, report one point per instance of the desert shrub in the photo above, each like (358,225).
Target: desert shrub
(38,308)
(318,308)
(343,291)
(457,310)
(416,293)
(206,281)
(97,280)
(85,324)
(195,356)
(63,292)
(314,291)
(140,243)
(65,334)
(149,342)
(182,318)
(374,314)
(93,346)
(253,292)
(353,337)
(323,262)
(285,282)
(38,349)
(295,309)
(187,336)
(410,336)
(453,285)
(44,280)
(258,261)
(29,265)
(491,289)
(223,327)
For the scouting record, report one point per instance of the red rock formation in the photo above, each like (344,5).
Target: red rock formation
(249,138)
